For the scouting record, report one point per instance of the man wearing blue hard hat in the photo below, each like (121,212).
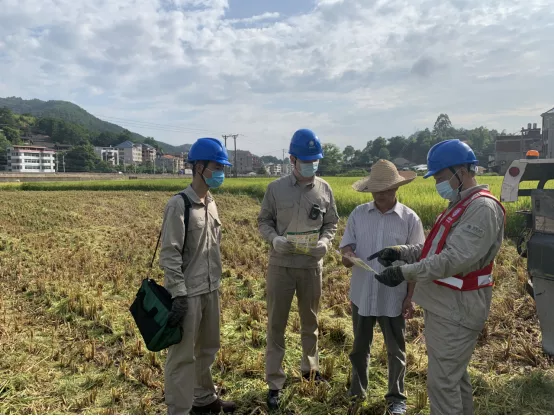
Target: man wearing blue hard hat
(191,261)
(453,270)
(299,219)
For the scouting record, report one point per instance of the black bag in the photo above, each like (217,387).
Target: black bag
(152,304)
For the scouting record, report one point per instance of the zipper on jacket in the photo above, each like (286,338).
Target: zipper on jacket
(208,248)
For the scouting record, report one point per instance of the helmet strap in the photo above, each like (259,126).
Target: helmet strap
(455,173)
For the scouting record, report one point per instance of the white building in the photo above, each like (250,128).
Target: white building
(273,169)
(129,153)
(31,159)
(109,155)
(286,169)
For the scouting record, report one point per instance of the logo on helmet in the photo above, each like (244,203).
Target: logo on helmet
(311,143)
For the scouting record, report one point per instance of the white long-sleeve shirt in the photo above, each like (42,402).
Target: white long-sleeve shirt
(368,230)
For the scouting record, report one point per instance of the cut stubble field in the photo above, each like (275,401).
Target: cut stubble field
(71,262)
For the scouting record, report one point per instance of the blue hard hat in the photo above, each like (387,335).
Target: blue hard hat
(305,145)
(210,149)
(447,154)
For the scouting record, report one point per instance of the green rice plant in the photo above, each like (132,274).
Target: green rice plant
(420,195)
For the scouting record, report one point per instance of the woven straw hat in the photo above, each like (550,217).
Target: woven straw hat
(383,176)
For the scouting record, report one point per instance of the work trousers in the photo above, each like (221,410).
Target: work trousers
(393,332)
(281,285)
(188,379)
(449,348)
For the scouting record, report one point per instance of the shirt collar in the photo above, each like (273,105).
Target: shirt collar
(465,193)
(195,198)
(294,181)
(396,209)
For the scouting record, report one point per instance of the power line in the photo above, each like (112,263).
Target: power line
(154,125)
(272,152)
(167,127)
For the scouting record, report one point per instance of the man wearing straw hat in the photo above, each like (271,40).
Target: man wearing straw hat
(372,226)
(454,273)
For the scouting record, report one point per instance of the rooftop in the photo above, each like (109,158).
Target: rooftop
(32,147)
(551,111)
(127,144)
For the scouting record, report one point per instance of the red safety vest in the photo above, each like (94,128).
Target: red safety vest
(436,239)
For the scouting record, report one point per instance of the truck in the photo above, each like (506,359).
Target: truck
(536,240)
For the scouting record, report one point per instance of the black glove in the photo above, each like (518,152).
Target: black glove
(391,276)
(387,256)
(178,311)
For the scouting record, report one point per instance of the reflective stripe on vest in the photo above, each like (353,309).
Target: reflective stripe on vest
(434,243)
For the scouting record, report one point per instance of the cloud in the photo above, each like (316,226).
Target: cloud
(351,70)
(426,67)
(257,18)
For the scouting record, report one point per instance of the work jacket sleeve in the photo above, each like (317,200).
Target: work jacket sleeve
(330,220)
(410,253)
(171,259)
(469,242)
(267,219)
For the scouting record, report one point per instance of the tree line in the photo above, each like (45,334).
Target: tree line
(413,148)
(15,128)
(348,161)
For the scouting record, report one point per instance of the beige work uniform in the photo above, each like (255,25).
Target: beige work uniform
(454,318)
(285,208)
(196,274)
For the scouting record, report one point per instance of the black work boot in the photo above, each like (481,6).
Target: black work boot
(273,397)
(214,408)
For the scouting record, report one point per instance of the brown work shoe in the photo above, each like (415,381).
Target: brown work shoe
(214,408)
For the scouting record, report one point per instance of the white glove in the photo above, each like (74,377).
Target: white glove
(282,245)
(320,250)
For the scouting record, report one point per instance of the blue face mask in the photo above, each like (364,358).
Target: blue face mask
(218,176)
(307,170)
(445,190)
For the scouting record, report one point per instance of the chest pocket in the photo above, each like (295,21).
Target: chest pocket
(197,220)
(197,224)
(396,236)
(313,209)
(215,226)
(285,211)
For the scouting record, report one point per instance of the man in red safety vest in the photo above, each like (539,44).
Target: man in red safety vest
(453,271)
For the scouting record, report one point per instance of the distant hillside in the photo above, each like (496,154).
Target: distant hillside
(73,113)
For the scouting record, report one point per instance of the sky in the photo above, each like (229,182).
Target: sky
(351,70)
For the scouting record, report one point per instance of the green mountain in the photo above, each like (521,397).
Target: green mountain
(70,112)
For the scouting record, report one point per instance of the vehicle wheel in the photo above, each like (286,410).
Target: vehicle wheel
(521,246)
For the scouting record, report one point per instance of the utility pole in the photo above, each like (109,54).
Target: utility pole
(63,158)
(226,168)
(57,169)
(236,167)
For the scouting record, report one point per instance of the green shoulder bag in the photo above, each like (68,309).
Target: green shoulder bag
(153,302)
